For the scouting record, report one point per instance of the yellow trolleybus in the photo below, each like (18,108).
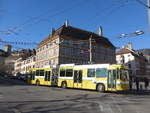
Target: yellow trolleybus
(100,77)
(40,76)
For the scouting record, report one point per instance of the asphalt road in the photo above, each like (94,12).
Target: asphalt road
(19,97)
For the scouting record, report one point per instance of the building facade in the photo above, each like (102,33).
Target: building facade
(23,66)
(136,62)
(28,64)
(2,62)
(17,65)
(68,44)
(146,54)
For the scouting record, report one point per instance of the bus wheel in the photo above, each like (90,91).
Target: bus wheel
(100,88)
(37,82)
(64,85)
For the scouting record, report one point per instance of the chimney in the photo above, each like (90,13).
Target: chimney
(122,47)
(129,45)
(100,31)
(66,23)
(53,31)
(7,49)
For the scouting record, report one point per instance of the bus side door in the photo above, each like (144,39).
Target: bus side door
(47,77)
(111,83)
(77,79)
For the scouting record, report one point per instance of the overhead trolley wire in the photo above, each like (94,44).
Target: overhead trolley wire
(46,13)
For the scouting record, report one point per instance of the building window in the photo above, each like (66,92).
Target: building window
(129,66)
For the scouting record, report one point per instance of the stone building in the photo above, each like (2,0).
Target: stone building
(68,44)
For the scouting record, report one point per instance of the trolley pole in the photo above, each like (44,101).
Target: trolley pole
(90,42)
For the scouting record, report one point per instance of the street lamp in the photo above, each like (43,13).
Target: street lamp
(133,34)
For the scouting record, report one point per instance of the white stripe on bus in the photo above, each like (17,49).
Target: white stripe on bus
(93,80)
(39,76)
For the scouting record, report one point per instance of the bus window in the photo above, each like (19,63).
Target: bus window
(41,72)
(69,72)
(121,75)
(37,72)
(114,73)
(124,75)
(62,73)
(80,76)
(100,72)
(75,76)
(33,75)
(47,75)
(91,73)
(118,74)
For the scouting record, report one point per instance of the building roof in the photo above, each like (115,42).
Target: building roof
(132,51)
(3,53)
(2,50)
(144,51)
(79,34)
(123,51)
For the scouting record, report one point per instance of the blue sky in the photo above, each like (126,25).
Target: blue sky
(33,19)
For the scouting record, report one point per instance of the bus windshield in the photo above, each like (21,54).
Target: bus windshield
(124,74)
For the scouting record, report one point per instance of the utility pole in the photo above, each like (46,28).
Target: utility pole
(148,4)
(90,42)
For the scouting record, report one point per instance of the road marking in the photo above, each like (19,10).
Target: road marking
(104,107)
(101,108)
(15,110)
(116,104)
(1,96)
(126,100)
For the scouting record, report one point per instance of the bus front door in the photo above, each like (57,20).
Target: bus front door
(47,78)
(111,83)
(77,79)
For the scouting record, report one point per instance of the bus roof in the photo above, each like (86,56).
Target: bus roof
(108,66)
(34,69)
(119,66)
(85,66)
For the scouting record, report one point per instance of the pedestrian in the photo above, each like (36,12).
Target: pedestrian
(130,83)
(146,83)
(137,83)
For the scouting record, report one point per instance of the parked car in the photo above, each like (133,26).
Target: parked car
(22,77)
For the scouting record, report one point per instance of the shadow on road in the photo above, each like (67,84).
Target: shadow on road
(10,82)
(78,103)
(134,92)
